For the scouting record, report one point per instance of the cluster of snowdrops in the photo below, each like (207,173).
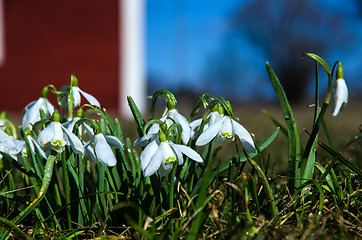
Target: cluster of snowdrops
(67,136)
(165,140)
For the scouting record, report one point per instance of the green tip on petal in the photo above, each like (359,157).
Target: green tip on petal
(56,116)
(73,81)
(162,136)
(220,109)
(79,113)
(44,92)
(340,71)
(215,108)
(170,104)
(4,114)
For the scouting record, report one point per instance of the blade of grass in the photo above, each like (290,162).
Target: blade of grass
(196,224)
(48,172)
(140,122)
(340,159)
(293,136)
(242,158)
(66,186)
(268,193)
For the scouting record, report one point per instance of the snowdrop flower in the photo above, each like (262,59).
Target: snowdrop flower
(340,93)
(223,128)
(161,154)
(213,117)
(151,134)
(10,145)
(31,111)
(70,124)
(76,92)
(172,116)
(102,147)
(55,136)
(33,144)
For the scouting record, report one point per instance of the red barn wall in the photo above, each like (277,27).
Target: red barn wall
(47,41)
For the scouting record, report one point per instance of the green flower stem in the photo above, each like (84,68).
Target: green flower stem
(70,105)
(320,117)
(81,206)
(11,227)
(48,172)
(172,186)
(66,189)
(171,101)
(267,189)
(32,179)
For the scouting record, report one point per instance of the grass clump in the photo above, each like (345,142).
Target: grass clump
(72,174)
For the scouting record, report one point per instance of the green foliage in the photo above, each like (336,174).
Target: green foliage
(76,195)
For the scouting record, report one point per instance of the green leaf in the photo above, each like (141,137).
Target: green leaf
(242,158)
(319,60)
(328,177)
(341,159)
(140,122)
(293,136)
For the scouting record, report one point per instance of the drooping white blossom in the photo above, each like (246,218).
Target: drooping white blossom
(10,145)
(171,116)
(32,114)
(56,137)
(160,156)
(339,96)
(224,128)
(76,91)
(100,147)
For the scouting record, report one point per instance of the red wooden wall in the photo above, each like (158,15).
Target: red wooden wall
(47,41)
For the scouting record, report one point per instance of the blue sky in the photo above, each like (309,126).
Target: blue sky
(182,34)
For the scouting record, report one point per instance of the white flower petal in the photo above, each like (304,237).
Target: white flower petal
(141,142)
(148,153)
(47,134)
(19,146)
(49,107)
(89,130)
(188,152)
(178,153)
(154,129)
(339,97)
(155,162)
(76,96)
(226,132)
(194,124)
(92,100)
(209,133)
(186,129)
(165,169)
(244,136)
(113,141)
(103,151)
(70,124)
(5,142)
(42,153)
(90,152)
(32,115)
(74,141)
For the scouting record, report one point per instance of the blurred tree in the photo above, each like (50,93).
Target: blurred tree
(284,30)
(359,7)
